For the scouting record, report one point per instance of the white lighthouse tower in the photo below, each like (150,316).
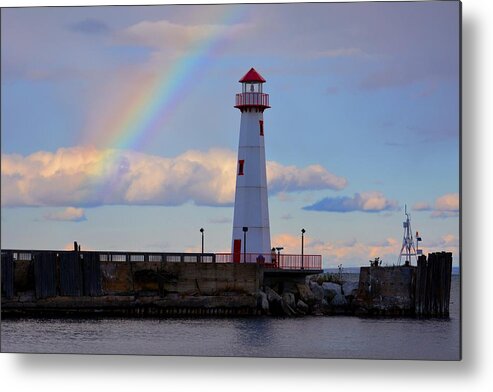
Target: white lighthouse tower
(251,232)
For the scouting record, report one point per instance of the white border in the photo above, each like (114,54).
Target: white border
(86,373)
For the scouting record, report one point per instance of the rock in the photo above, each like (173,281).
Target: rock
(325,307)
(262,302)
(334,287)
(318,292)
(289,299)
(288,310)
(350,288)
(339,300)
(302,307)
(288,304)
(272,296)
(329,294)
(306,294)
(275,302)
(317,310)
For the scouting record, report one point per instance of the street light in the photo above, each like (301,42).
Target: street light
(245,229)
(279,248)
(302,246)
(202,256)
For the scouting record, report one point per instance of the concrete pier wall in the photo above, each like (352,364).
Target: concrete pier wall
(407,290)
(68,282)
(386,290)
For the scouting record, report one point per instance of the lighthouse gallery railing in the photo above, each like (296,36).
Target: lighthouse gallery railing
(252,99)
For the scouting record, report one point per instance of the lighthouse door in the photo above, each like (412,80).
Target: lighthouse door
(236,251)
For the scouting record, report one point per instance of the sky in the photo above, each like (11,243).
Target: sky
(118,128)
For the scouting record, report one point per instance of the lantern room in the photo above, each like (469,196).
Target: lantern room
(252,82)
(252,96)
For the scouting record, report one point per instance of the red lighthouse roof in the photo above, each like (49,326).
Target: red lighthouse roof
(252,76)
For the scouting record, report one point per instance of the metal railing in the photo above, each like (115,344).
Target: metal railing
(283,261)
(119,256)
(252,99)
(268,260)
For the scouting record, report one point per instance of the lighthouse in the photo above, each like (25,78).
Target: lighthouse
(251,232)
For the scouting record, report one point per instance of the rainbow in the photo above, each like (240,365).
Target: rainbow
(158,96)
(153,102)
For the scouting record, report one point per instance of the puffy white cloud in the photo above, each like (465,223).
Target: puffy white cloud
(447,202)
(446,206)
(70,214)
(365,201)
(86,176)
(291,178)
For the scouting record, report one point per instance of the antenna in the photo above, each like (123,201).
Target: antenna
(407,249)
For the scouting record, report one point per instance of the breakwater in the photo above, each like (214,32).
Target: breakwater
(419,291)
(110,283)
(422,291)
(117,283)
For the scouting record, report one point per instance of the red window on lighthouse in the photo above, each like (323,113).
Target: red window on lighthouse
(261,122)
(241,163)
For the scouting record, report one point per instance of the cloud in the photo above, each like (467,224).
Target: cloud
(421,206)
(90,26)
(365,202)
(291,178)
(69,214)
(448,202)
(353,252)
(86,176)
(166,35)
(446,243)
(348,252)
(446,206)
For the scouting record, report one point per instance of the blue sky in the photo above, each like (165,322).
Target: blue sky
(364,119)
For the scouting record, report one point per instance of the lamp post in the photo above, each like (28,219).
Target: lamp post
(302,246)
(202,256)
(279,248)
(245,229)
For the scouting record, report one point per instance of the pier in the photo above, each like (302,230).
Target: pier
(422,290)
(54,282)
(88,283)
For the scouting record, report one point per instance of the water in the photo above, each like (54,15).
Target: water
(315,337)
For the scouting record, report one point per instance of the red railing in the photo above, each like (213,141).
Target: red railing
(283,261)
(252,99)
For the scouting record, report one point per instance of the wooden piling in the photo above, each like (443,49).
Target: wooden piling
(433,281)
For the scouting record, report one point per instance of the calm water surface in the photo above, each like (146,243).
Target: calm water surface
(316,337)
